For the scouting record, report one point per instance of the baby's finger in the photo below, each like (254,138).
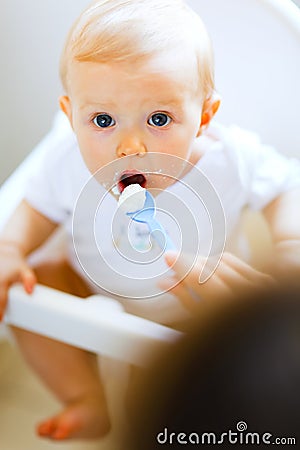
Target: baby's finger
(28,279)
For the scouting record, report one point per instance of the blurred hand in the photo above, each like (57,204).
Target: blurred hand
(230,278)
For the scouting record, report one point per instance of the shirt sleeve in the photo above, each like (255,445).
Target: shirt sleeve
(265,173)
(46,189)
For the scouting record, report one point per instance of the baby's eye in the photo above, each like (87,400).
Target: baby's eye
(159,120)
(104,121)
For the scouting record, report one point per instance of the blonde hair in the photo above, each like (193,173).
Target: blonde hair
(133,30)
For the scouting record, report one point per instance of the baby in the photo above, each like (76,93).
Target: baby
(138,101)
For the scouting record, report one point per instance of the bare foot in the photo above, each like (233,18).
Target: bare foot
(86,418)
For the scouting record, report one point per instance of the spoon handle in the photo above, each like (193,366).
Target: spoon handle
(160,235)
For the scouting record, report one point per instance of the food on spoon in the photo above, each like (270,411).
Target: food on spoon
(132,198)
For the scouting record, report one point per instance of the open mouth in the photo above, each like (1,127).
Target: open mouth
(131,177)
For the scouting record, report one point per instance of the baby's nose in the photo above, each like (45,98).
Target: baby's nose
(131,145)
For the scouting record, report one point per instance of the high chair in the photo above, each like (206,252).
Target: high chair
(256,45)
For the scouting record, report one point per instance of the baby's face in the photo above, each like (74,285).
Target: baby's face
(119,110)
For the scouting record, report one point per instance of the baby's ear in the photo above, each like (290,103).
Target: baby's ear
(209,109)
(65,106)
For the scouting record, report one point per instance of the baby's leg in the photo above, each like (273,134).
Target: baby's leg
(71,373)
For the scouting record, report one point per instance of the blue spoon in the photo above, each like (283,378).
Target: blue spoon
(147,215)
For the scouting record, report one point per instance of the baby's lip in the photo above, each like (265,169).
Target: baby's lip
(131,177)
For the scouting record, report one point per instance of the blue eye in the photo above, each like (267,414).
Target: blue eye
(104,121)
(159,120)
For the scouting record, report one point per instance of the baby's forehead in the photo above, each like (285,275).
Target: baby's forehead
(167,67)
(176,59)
(173,63)
(173,69)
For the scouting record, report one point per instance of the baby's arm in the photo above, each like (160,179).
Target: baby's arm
(283,216)
(25,231)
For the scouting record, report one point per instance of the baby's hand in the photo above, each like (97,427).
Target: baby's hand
(231,278)
(13,268)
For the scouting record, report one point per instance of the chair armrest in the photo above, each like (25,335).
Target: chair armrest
(98,324)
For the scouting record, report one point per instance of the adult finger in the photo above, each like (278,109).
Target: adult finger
(247,271)
(186,267)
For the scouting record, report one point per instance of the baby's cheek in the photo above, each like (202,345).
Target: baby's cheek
(180,151)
